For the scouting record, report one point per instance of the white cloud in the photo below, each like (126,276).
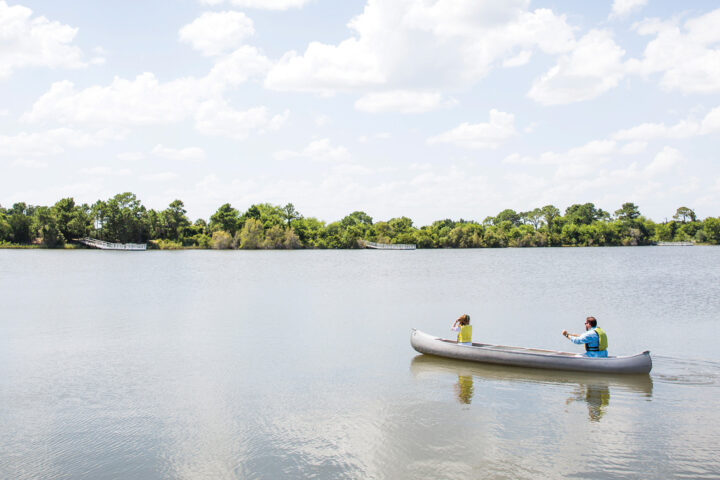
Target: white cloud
(593,148)
(711,122)
(143,101)
(34,41)
(146,101)
(633,148)
(105,171)
(460,42)
(29,163)
(51,142)
(623,8)
(480,135)
(575,162)
(322,120)
(261,4)
(518,60)
(216,117)
(325,68)
(231,70)
(592,68)
(214,33)
(193,154)
(159,177)
(318,150)
(650,131)
(517,159)
(130,156)
(403,101)
(687,58)
(687,128)
(664,161)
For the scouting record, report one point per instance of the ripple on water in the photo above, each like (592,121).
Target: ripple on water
(682,371)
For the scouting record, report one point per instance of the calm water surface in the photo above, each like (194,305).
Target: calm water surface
(205,364)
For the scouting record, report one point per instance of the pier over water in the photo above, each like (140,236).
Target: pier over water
(103,245)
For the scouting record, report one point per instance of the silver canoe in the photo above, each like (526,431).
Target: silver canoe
(528,357)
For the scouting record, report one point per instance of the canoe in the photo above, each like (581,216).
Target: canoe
(528,357)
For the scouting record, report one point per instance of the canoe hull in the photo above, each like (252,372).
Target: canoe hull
(528,357)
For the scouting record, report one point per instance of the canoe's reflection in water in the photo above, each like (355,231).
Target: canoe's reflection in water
(592,388)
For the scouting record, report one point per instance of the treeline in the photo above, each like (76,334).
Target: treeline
(124,219)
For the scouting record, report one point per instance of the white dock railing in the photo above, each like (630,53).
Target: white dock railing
(675,244)
(389,246)
(103,245)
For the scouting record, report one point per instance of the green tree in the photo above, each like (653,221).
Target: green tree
(357,218)
(495,237)
(252,235)
(5,228)
(464,235)
(46,226)
(522,236)
(711,227)
(310,230)
(507,215)
(583,214)
(20,220)
(274,238)
(175,221)
(226,218)
(688,231)
(155,224)
(121,219)
(684,214)
(400,225)
(290,239)
(664,232)
(221,240)
(268,215)
(534,217)
(73,221)
(426,238)
(196,234)
(290,214)
(354,228)
(554,223)
(628,211)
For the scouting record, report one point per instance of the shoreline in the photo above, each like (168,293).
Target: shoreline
(194,247)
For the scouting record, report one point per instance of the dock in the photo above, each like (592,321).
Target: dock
(103,245)
(388,246)
(675,244)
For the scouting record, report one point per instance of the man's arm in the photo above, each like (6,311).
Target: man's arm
(580,339)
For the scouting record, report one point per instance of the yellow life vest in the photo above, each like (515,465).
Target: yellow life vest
(465,334)
(602,341)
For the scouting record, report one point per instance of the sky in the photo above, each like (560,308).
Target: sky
(430,109)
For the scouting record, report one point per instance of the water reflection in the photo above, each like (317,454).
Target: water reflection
(592,389)
(597,398)
(464,389)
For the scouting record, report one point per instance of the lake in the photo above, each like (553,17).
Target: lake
(297,364)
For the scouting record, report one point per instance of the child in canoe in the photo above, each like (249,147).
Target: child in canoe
(464,329)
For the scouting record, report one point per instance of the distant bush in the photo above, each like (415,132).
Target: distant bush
(164,244)
(221,240)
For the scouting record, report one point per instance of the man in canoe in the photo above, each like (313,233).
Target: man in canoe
(594,338)
(464,329)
